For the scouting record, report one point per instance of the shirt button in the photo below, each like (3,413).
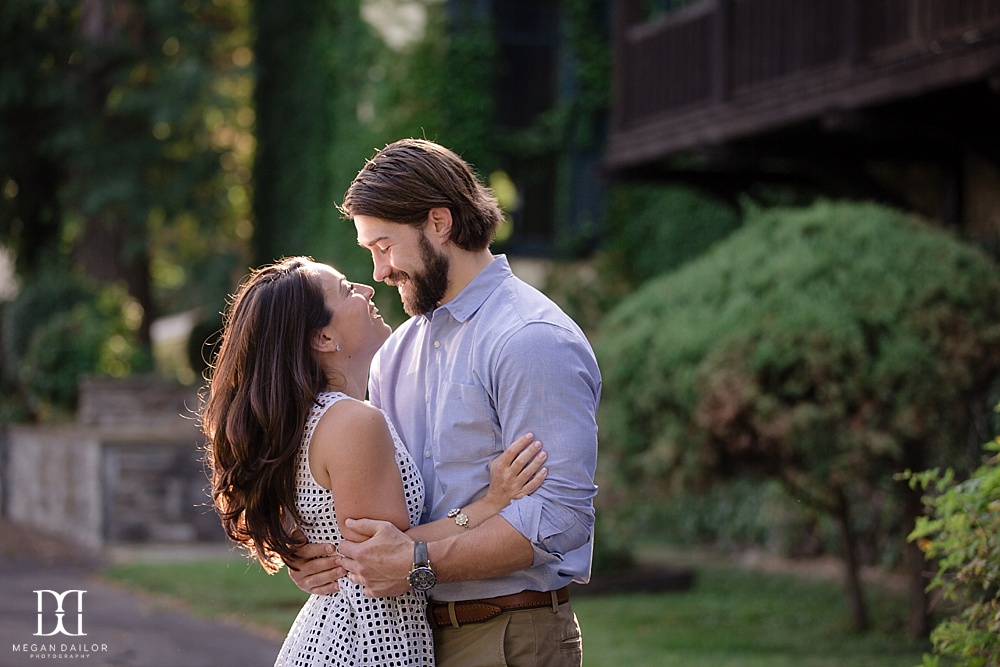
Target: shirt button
(437,343)
(424,510)
(427,453)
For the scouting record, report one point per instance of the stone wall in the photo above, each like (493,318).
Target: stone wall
(128,471)
(53,482)
(143,403)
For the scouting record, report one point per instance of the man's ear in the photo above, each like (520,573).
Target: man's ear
(439,224)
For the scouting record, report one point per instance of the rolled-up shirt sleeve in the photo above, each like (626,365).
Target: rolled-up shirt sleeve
(547,382)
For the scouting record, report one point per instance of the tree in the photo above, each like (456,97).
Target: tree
(124,149)
(828,347)
(115,118)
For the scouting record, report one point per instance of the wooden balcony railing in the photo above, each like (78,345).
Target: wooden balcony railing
(723,68)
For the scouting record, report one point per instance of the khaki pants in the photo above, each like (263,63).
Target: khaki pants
(525,638)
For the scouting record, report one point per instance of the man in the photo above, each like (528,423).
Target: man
(483,357)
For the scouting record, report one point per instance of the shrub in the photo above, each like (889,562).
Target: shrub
(656,230)
(58,329)
(961,536)
(801,321)
(653,230)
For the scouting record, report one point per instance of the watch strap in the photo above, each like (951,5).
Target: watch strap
(420,556)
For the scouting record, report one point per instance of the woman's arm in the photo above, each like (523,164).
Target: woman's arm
(352,452)
(513,474)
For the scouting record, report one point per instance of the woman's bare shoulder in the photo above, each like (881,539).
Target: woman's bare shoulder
(351,423)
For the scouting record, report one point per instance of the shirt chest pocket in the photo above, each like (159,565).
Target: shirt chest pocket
(465,422)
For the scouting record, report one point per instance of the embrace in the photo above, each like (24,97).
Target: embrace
(442,520)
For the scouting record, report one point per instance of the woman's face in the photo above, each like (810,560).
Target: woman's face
(356,324)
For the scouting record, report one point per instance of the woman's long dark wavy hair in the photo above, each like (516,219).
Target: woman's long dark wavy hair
(263,381)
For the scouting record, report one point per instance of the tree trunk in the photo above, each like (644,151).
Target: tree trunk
(918,612)
(852,576)
(918,622)
(103,254)
(110,251)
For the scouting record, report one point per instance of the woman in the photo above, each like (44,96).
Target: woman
(293,446)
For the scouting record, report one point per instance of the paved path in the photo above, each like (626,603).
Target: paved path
(122,628)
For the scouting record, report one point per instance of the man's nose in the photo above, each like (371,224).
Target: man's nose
(382,269)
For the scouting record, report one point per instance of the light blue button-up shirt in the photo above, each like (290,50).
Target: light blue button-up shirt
(461,383)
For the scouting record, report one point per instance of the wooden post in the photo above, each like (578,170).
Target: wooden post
(722,62)
(625,14)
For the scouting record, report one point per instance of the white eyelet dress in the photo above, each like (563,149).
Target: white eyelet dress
(348,628)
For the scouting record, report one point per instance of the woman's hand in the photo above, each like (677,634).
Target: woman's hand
(516,472)
(317,569)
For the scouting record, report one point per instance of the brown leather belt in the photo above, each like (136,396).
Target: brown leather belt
(457,614)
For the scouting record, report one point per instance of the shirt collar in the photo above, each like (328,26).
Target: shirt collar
(474,295)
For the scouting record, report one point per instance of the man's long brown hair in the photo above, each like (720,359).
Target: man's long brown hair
(263,381)
(409,177)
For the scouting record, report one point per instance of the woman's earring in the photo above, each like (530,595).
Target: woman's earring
(337,349)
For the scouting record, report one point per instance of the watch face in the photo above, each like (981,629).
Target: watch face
(422,578)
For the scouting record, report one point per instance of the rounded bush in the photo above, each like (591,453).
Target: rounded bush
(818,341)
(59,329)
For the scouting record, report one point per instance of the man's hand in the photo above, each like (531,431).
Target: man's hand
(317,569)
(380,563)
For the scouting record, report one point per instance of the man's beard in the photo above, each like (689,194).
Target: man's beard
(428,287)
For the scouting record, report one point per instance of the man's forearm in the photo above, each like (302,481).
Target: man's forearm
(493,549)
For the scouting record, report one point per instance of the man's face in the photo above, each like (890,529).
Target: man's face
(404,258)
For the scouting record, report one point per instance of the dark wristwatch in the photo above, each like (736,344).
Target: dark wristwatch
(422,577)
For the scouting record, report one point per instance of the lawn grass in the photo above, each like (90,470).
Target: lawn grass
(736,618)
(730,618)
(233,588)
